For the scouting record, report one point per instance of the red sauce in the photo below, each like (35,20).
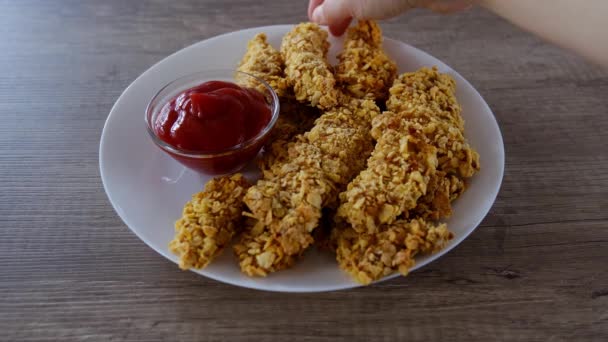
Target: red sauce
(212,117)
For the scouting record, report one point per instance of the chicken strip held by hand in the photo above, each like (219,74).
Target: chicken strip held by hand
(363,69)
(304,50)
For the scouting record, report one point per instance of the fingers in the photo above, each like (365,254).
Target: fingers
(338,13)
(340,28)
(312,4)
(332,12)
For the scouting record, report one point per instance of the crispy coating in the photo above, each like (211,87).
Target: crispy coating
(419,165)
(369,257)
(441,191)
(429,89)
(457,161)
(259,252)
(304,50)
(363,69)
(396,176)
(422,136)
(426,99)
(209,221)
(421,105)
(265,62)
(288,201)
(454,154)
(295,118)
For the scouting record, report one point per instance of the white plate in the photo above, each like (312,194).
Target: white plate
(148,189)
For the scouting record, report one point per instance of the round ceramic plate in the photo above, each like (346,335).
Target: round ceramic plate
(148,189)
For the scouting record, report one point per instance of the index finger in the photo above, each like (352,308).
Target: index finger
(312,4)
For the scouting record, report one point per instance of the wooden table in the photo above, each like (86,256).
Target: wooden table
(536,269)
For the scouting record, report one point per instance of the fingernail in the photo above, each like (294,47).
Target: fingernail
(318,16)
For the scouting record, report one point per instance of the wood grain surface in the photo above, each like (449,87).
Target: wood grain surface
(70,270)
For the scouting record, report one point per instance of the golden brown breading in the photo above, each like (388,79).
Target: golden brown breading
(454,154)
(295,118)
(424,106)
(396,176)
(364,70)
(441,191)
(304,50)
(259,252)
(288,201)
(426,100)
(429,89)
(265,62)
(369,257)
(209,221)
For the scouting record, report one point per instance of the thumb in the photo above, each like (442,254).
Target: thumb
(337,14)
(335,11)
(332,12)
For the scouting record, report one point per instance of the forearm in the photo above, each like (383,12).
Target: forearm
(575,25)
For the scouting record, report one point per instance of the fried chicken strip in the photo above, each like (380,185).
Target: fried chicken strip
(288,201)
(304,50)
(363,69)
(294,118)
(456,160)
(209,221)
(368,257)
(429,97)
(265,62)
(396,176)
(426,99)
(423,105)
(427,109)
(426,89)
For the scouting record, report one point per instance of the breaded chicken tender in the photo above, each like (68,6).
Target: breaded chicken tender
(429,89)
(374,241)
(265,62)
(442,190)
(288,201)
(396,176)
(294,118)
(369,257)
(259,252)
(363,69)
(453,152)
(426,99)
(209,221)
(304,50)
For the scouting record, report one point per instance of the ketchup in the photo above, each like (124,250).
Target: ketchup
(205,121)
(213,116)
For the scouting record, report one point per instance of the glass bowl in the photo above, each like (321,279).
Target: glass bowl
(217,162)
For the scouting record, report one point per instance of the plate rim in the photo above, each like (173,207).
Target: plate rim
(431,258)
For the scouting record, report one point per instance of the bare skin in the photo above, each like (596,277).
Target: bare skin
(579,26)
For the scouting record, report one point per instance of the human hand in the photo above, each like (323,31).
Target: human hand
(337,14)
